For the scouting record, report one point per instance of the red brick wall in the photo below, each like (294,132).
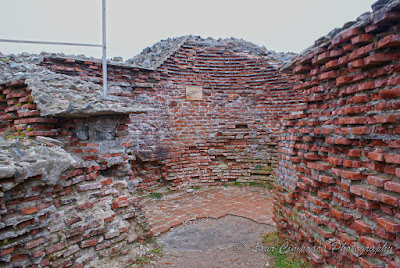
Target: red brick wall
(3,106)
(21,115)
(339,158)
(229,135)
(226,136)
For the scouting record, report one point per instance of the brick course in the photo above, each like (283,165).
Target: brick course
(351,152)
(229,135)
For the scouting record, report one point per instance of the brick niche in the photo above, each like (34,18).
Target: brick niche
(230,134)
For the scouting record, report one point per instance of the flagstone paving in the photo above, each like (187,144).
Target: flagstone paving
(175,209)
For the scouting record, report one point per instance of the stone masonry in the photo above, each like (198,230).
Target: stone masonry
(68,200)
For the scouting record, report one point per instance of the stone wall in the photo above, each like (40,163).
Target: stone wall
(73,162)
(339,160)
(61,212)
(69,200)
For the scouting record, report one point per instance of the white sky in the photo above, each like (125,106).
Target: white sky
(280,25)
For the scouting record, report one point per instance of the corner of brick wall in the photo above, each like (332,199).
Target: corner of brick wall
(20,116)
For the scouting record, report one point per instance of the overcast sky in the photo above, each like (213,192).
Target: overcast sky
(284,25)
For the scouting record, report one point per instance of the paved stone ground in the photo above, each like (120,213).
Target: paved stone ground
(215,243)
(175,209)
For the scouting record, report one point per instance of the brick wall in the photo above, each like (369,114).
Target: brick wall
(21,115)
(90,213)
(339,160)
(229,135)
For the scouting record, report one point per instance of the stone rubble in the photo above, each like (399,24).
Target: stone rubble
(61,95)
(153,57)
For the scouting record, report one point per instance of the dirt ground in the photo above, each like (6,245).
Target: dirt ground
(230,241)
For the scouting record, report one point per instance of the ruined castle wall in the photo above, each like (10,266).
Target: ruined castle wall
(339,160)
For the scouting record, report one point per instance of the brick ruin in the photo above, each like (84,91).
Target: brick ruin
(68,197)
(190,111)
(338,184)
(146,134)
(228,135)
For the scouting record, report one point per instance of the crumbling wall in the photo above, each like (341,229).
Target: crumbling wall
(338,184)
(21,114)
(148,131)
(58,210)
(228,135)
(69,200)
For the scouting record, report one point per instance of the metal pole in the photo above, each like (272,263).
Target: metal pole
(48,43)
(104,51)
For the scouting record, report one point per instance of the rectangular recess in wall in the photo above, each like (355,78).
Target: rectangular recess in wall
(241,126)
(194,93)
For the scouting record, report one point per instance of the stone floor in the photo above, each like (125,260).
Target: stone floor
(175,209)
